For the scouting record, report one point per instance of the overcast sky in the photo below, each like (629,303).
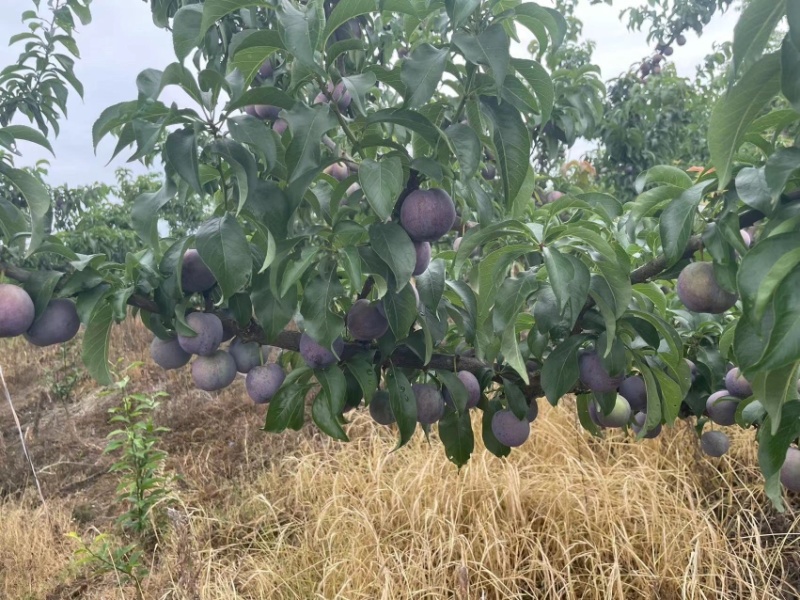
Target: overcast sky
(121,41)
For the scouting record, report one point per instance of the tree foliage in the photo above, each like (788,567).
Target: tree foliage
(329,139)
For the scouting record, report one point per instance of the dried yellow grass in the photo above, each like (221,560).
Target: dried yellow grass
(298,516)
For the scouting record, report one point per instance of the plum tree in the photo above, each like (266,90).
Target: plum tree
(430,403)
(619,416)
(714,443)
(317,356)
(208,328)
(380,408)
(593,373)
(16,310)
(263,382)
(168,354)
(247,355)
(737,385)
(195,275)
(721,407)
(58,323)
(366,320)
(422,257)
(633,389)
(508,429)
(427,215)
(699,290)
(790,471)
(535,277)
(213,372)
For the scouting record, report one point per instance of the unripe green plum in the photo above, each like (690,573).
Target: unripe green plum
(430,403)
(737,385)
(714,443)
(247,355)
(721,408)
(214,371)
(619,416)
(633,389)
(508,429)
(17,311)
(168,354)
(58,323)
(639,419)
(380,409)
(367,321)
(195,275)
(427,215)
(209,334)
(423,253)
(699,290)
(790,471)
(316,356)
(593,373)
(263,382)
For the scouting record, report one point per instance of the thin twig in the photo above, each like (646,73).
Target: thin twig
(21,436)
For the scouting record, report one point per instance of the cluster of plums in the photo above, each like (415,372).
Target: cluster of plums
(58,323)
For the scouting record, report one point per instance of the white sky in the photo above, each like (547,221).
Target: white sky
(121,41)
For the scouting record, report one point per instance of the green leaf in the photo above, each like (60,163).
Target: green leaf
(569,278)
(490,47)
(511,297)
(307,125)
(329,403)
(772,446)
(541,84)
(422,72)
(560,368)
(777,172)
(186,27)
(392,244)
(513,145)
(675,225)
(297,268)
(783,347)
(403,403)
(733,114)
(273,313)
(774,389)
(214,10)
(382,182)
(319,321)
(40,287)
(409,119)
(180,150)
(363,369)
(751,185)
(253,48)
(509,346)
(455,431)
(255,133)
(530,13)
(456,389)
(756,280)
(753,30)
(343,11)
(37,198)
(96,341)
(22,132)
(144,213)
(401,311)
(12,223)
(223,246)
(790,70)
(287,405)
(359,86)
(430,284)
(468,149)
(300,32)
(262,95)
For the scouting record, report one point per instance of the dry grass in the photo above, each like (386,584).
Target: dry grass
(299,516)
